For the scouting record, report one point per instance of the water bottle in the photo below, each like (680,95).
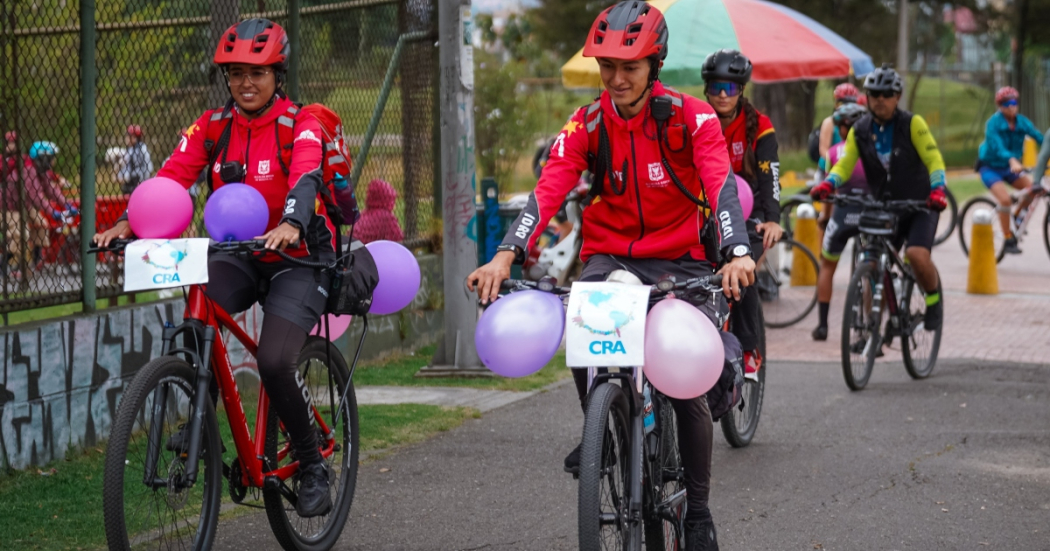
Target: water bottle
(345,199)
(647,410)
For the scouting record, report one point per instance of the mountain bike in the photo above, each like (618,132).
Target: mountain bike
(156,495)
(631,481)
(882,280)
(949,217)
(1019,220)
(786,282)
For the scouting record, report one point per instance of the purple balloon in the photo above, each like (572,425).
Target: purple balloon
(398,277)
(520,333)
(236,212)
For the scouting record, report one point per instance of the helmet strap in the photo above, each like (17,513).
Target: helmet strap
(654,72)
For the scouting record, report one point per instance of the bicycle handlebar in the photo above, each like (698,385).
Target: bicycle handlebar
(710,284)
(869,202)
(255,247)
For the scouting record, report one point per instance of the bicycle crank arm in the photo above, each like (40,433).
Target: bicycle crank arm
(275,483)
(666,509)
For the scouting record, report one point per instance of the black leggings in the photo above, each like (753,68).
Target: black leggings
(745,314)
(695,429)
(280,343)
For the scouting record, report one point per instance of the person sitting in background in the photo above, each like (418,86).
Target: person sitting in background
(999,158)
(43,196)
(136,166)
(378,222)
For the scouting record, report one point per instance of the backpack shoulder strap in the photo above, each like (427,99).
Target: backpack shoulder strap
(217,135)
(285,130)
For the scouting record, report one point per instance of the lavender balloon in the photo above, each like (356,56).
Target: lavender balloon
(398,277)
(236,212)
(520,333)
(683,351)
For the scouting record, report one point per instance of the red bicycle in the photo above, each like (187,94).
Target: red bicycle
(156,495)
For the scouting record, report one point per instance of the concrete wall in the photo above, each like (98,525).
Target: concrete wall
(61,380)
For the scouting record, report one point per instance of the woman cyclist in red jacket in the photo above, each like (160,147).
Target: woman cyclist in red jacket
(253,57)
(752,146)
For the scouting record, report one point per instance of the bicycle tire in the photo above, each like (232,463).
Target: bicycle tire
(953,218)
(914,335)
(126,451)
(324,531)
(786,212)
(1046,229)
(795,302)
(857,364)
(667,480)
(739,427)
(606,439)
(966,226)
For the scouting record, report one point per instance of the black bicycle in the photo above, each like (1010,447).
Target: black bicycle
(631,489)
(882,280)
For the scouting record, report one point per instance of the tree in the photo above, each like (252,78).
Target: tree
(561,26)
(505,122)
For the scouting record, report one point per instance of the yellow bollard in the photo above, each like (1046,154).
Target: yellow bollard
(803,273)
(983,277)
(1031,153)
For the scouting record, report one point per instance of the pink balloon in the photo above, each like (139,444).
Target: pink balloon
(337,325)
(159,208)
(683,352)
(747,198)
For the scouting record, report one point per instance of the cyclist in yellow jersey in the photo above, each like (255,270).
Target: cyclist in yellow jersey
(901,161)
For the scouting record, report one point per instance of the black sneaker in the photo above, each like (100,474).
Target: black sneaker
(314,499)
(701,536)
(820,333)
(572,461)
(1010,246)
(934,316)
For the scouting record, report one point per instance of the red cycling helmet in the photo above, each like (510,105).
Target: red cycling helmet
(846,92)
(1005,93)
(11,136)
(135,130)
(254,42)
(862,100)
(628,30)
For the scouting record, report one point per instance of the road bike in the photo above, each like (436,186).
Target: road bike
(883,281)
(1020,218)
(160,496)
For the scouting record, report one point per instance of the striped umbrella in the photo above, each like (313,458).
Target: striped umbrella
(782,43)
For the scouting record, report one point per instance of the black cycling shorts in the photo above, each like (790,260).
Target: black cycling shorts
(292,292)
(919,229)
(842,226)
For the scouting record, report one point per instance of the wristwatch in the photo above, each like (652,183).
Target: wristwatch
(739,251)
(512,248)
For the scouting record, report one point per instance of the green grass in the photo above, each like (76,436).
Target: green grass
(60,310)
(64,510)
(965,188)
(401,370)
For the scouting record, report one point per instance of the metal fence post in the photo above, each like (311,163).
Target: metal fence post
(88,74)
(456,354)
(295,36)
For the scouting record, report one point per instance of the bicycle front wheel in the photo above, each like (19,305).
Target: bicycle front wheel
(665,513)
(966,225)
(786,282)
(326,381)
(948,219)
(146,501)
(919,346)
(740,424)
(604,523)
(860,327)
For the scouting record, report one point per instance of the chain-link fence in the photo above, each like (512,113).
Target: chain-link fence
(154,78)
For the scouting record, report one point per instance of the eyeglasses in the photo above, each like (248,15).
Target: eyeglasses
(881,93)
(1012,102)
(236,77)
(730,88)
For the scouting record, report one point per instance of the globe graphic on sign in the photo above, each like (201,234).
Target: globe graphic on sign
(164,255)
(603,312)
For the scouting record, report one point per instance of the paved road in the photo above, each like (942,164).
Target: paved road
(959,461)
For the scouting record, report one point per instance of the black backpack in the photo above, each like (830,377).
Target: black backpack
(814,145)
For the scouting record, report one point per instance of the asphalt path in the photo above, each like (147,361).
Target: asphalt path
(958,461)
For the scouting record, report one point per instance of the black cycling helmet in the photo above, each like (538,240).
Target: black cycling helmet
(728,65)
(884,79)
(848,114)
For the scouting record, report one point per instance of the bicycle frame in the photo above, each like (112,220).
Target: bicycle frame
(879,247)
(205,317)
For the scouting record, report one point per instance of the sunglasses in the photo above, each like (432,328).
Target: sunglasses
(881,94)
(1009,103)
(730,88)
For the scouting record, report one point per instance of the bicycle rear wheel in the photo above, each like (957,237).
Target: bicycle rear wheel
(740,424)
(604,472)
(786,282)
(860,327)
(665,514)
(947,220)
(326,383)
(918,345)
(145,501)
(966,225)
